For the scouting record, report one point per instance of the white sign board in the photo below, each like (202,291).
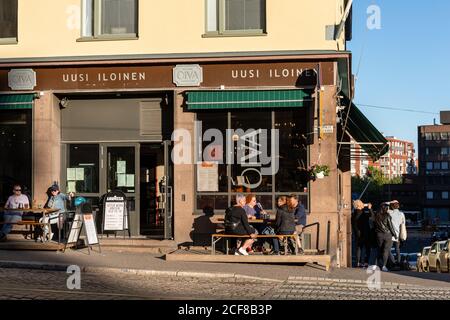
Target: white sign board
(208,176)
(114,216)
(75,228)
(91,230)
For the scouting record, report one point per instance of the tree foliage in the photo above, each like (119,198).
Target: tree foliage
(374,180)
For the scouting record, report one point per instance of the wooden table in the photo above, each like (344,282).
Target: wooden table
(36,214)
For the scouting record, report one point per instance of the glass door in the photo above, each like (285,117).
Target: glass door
(121,162)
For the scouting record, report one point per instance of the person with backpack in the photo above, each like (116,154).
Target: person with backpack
(236,222)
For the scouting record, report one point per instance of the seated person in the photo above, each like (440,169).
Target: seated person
(296,206)
(236,222)
(56,200)
(16,201)
(285,220)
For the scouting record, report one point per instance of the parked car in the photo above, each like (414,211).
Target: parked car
(443,261)
(439,236)
(422,261)
(434,263)
(411,261)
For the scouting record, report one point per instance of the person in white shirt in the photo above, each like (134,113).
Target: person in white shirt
(398,218)
(16,201)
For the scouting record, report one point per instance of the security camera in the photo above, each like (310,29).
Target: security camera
(64,103)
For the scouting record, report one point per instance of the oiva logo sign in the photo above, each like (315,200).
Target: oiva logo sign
(187,75)
(22,79)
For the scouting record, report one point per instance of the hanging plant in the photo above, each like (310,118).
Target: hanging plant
(318,171)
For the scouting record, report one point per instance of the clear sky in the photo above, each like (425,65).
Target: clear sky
(405,64)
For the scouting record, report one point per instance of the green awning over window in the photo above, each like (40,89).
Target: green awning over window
(16,101)
(363,131)
(239,99)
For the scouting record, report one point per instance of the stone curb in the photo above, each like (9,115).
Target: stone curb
(141,272)
(362,282)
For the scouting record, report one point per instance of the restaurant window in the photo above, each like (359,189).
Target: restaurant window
(218,182)
(235,17)
(8,21)
(16,151)
(110,18)
(82,173)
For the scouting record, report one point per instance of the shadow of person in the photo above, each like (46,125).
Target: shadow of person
(203,228)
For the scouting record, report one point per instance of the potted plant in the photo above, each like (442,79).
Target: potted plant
(318,171)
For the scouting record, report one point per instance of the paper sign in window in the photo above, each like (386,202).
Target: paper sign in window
(121,180)
(71,174)
(79,174)
(121,167)
(130,180)
(71,186)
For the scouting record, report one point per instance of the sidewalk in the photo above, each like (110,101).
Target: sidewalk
(154,264)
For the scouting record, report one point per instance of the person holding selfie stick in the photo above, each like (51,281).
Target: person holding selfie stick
(16,201)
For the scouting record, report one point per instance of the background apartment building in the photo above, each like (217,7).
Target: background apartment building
(399,160)
(91,92)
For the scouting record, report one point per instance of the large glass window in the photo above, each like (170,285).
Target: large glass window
(83,168)
(110,18)
(236,16)
(292,175)
(8,20)
(16,150)
(251,150)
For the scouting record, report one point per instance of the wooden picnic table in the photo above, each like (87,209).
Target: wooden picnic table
(43,211)
(35,213)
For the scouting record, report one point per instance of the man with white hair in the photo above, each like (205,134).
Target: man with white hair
(236,222)
(398,218)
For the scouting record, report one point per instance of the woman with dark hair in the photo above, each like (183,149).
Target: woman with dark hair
(385,232)
(285,221)
(361,230)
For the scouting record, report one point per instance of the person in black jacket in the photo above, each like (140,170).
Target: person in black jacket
(236,222)
(285,220)
(385,232)
(361,230)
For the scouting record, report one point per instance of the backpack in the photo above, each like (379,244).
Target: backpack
(228,221)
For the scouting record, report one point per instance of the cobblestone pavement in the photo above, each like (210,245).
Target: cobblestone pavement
(40,284)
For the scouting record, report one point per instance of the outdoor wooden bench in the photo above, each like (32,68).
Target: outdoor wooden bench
(29,223)
(283,237)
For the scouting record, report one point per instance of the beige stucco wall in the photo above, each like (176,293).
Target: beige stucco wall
(49,28)
(46,145)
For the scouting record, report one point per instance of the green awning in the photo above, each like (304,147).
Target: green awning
(363,131)
(238,99)
(16,101)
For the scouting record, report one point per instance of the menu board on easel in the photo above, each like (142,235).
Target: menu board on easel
(115,213)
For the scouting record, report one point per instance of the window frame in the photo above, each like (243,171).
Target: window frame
(221,18)
(97,25)
(231,194)
(13,40)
